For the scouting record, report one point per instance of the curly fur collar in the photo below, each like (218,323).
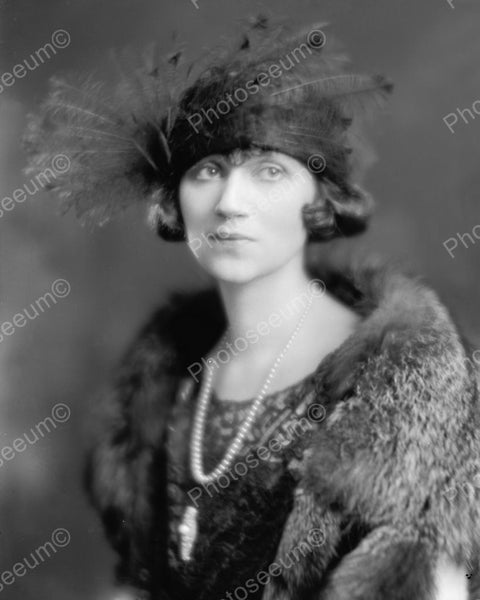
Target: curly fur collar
(401,429)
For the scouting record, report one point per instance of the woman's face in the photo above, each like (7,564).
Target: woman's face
(242,212)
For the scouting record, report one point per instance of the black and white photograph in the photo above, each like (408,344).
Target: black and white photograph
(240,300)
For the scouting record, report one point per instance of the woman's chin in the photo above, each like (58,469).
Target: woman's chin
(233,271)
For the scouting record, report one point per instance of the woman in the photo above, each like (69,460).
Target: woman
(302,429)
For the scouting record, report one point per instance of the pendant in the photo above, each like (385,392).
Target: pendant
(188,532)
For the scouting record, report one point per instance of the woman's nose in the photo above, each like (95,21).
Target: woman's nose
(231,201)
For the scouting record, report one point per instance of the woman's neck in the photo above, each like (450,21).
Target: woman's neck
(271,308)
(278,297)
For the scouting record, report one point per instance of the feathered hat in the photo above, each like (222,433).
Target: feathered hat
(272,89)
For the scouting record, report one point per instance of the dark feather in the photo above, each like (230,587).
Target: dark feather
(115,139)
(119,137)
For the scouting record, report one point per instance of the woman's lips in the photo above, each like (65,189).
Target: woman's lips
(230,241)
(230,237)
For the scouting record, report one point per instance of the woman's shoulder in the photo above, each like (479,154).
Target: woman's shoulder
(402,420)
(405,326)
(394,322)
(177,330)
(406,375)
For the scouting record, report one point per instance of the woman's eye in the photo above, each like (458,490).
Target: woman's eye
(209,171)
(271,172)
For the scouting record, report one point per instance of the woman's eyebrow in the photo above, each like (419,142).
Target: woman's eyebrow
(209,159)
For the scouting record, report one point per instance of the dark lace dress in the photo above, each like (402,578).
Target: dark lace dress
(241,516)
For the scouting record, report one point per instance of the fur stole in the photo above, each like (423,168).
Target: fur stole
(397,453)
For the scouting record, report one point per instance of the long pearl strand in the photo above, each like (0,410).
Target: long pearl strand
(199,423)
(188,528)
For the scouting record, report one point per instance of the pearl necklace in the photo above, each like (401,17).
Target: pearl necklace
(188,527)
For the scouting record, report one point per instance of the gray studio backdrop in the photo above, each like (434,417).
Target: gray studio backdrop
(104,283)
